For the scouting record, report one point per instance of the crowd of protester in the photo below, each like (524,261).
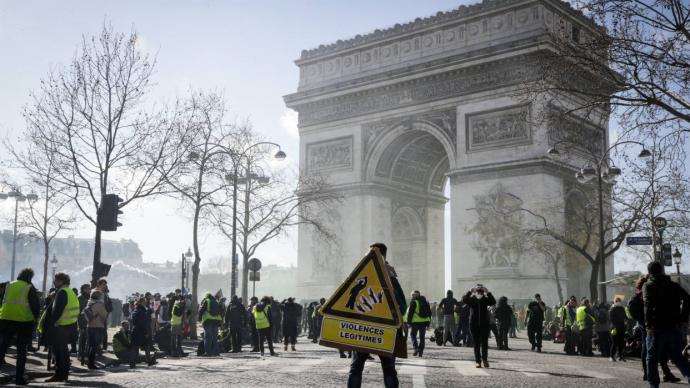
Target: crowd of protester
(69,322)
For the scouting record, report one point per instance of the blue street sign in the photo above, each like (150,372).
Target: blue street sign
(638,240)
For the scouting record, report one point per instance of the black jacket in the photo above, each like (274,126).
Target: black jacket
(617,316)
(141,324)
(504,315)
(235,316)
(535,314)
(480,314)
(636,308)
(448,305)
(291,315)
(662,302)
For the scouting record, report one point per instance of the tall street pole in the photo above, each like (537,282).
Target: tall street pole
(602,244)
(245,259)
(182,283)
(233,275)
(14,236)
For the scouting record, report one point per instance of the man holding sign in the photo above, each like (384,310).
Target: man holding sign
(365,316)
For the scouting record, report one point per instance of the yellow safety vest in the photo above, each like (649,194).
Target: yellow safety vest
(207,314)
(174,319)
(261,319)
(15,303)
(415,317)
(581,317)
(71,311)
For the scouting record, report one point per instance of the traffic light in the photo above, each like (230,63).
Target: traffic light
(109,212)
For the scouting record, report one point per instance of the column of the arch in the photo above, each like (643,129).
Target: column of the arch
(518,170)
(433,268)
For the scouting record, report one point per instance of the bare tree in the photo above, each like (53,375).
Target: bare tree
(276,206)
(552,253)
(637,63)
(662,180)
(580,233)
(199,182)
(91,115)
(51,213)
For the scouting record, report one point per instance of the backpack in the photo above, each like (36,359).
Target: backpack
(424,308)
(214,307)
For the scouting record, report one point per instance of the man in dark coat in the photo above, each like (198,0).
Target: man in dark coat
(447,305)
(141,333)
(504,315)
(479,299)
(534,320)
(291,314)
(235,319)
(85,294)
(663,313)
(276,318)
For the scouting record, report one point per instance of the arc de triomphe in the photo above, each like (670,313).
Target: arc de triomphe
(391,117)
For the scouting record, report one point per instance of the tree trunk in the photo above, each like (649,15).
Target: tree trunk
(95,274)
(46,255)
(195,273)
(593,280)
(559,288)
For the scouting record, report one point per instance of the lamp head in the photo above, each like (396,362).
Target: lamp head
(280,155)
(644,154)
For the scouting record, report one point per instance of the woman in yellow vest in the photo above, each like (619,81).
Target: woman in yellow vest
(61,324)
(262,320)
(18,312)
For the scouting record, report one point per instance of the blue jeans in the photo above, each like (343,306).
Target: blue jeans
(666,340)
(211,337)
(390,376)
(95,342)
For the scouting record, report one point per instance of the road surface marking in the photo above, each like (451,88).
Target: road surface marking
(418,381)
(302,365)
(525,370)
(412,366)
(467,368)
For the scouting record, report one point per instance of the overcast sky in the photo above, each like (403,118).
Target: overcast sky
(245,49)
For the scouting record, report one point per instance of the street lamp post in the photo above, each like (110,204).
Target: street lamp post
(17,195)
(280,155)
(53,264)
(234,179)
(676,259)
(604,171)
(185,256)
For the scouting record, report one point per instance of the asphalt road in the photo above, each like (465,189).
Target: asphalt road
(315,366)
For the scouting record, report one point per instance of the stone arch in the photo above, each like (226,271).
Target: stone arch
(412,153)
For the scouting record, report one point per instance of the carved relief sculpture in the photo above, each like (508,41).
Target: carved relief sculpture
(498,228)
(498,128)
(330,155)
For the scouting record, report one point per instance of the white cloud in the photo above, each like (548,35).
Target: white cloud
(288,120)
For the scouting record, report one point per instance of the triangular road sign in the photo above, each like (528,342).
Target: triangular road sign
(367,294)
